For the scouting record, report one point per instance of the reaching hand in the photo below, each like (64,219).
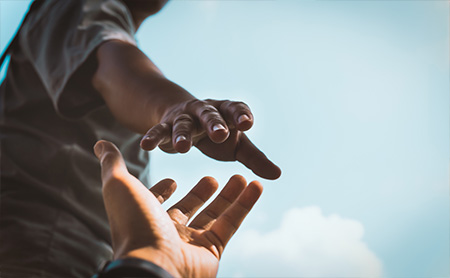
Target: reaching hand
(215,128)
(141,228)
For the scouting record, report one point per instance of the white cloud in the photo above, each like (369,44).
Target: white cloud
(307,244)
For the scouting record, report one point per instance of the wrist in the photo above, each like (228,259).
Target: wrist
(131,267)
(176,98)
(155,256)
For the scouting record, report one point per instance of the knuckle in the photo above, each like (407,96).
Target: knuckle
(159,130)
(231,221)
(235,106)
(208,111)
(183,125)
(115,180)
(241,105)
(225,104)
(182,118)
(116,177)
(214,102)
(164,126)
(215,120)
(108,160)
(195,104)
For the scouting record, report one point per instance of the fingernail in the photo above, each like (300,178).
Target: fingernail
(98,150)
(243,118)
(147,138)
(180,138)
(218,127)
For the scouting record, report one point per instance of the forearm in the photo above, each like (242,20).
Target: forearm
(142,99)
(134,89)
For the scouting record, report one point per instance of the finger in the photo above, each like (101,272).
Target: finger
(111,160)
(183,126)
(227,224)
(211,121)
(182,211)
(238,113)
(225,198)
(159,134)
(249,155)
(164,189)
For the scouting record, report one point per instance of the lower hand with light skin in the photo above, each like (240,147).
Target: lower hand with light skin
(140,228)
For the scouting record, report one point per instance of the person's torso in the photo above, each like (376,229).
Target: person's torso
(50,178)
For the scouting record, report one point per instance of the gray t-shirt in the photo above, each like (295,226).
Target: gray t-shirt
(52,217)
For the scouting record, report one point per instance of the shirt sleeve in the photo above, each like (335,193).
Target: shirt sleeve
(59,39)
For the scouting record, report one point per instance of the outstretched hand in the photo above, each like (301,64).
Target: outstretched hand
(216,128)
(141,228)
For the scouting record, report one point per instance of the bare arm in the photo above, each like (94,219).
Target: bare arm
(132,86)
(142,99)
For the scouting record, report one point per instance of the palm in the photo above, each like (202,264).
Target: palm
(201,259)
(141,228)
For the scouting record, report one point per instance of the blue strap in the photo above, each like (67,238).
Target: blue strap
(131,267)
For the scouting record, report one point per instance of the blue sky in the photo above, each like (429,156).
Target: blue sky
(351,99)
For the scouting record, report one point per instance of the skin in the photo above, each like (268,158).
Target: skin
(144,100)
(142,229)
(141,9)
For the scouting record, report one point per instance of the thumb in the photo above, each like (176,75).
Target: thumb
(129,205)
(249,155)
(111,160)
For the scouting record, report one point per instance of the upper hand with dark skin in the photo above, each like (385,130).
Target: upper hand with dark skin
(216,128)
(140,228)
(142,99)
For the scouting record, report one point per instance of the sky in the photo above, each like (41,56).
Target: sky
(350,99)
